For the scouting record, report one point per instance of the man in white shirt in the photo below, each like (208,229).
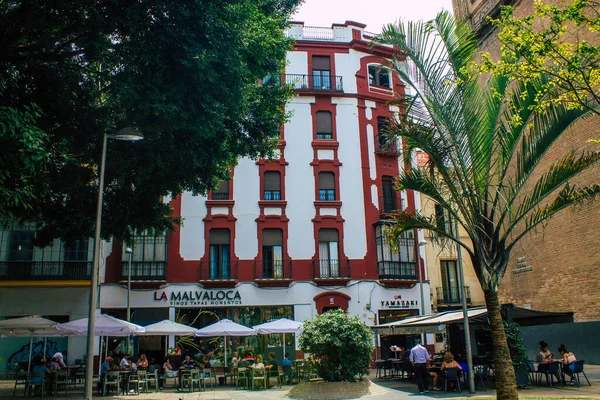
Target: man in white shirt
(124,362)
(419,356)
(60,359)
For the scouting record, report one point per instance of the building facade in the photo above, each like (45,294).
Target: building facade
(557,267)
(295,235)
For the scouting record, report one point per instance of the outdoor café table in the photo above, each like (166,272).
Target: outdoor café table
(125,381)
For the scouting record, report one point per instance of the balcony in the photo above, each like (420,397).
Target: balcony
(220,196)
(387,149)
(318,83)
(144,271)
(225,271)
(331,270)
(326,195)
(389,204)
(45,270)
(451,295)
(397,270)
(273,270)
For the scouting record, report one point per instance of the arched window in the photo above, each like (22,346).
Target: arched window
(379,76)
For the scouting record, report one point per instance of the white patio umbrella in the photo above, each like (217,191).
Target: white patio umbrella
(225,328)
(26,326)
(105,326)
(45,333)
(166,328)
(282,325)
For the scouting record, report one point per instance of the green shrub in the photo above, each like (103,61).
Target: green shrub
(342,345)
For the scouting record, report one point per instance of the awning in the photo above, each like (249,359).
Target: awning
(430,323)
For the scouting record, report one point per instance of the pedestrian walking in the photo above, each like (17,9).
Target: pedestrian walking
(419,356)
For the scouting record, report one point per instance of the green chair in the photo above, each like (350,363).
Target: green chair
(21,379)
(259,378)
(134,379)
(36,379)
(242,380)
(113,379)
(61,380)
(143,380)
(192,378)
(152,379)
(209,376)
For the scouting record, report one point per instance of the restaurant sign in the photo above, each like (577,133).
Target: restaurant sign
(199,297)
(522,266)
(397,302)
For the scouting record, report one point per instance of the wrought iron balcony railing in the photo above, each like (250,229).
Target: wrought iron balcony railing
(452,295)
(45,270)
(213,270)
(272,195)
(315,82)
(397,270)
(144,270)
(331,268)
(387,149)
(389,204)
(220,196)
(273,269)
(326,195)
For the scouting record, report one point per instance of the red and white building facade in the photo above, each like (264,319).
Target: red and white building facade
(303,231)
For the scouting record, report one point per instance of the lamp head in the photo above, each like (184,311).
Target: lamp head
(129,134)
(422,243)
(128,250)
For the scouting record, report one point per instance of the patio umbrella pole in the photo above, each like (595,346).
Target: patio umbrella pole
(45,340)
(225,356)
(283,342)
(100,356)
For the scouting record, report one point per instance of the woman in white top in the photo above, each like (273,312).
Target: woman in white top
(235,359)
(258,362)
(567,361)
(545,355)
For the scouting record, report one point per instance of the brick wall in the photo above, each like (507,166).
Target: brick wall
(564,254)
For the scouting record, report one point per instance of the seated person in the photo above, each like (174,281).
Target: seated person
(104,368)
(449,362)
(186,365)
(50,376)
(168,369)
(286,363)
(38,368)
(124,364)
(258,362)
(568,358)
(132,365)
(543,357)
(249,357)
(142,362)
(235,359)
(54,366)
(272,367)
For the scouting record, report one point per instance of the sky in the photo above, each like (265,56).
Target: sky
(374,13)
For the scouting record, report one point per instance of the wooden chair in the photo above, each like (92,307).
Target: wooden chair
(242,378)
(113,379)
(259,377)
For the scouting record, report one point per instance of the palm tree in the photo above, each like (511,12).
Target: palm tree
(485,140)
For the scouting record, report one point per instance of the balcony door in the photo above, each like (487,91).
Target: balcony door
(219,254)
(272,253)
(329,263)
(321,70)
(450,281)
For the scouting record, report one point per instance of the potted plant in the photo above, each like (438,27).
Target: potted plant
(518,352)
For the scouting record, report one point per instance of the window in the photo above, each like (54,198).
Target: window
(326,186)
(272,252)
(272,185)
(450,281)
(329,264)
(384,143)
(321,69)
(396,263)
(21,247)
(390,202)
(221,192)
(149,256)
(77,251)
(219,254)
(324,126)
(443,219)
(379,76)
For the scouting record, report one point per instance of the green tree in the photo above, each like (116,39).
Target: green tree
(560,43)
(342,344)
(486,157)
(186,73)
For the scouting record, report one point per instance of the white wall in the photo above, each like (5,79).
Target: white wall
(193,209)
(246,192)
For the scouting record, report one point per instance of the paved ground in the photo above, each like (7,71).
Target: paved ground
(379,389)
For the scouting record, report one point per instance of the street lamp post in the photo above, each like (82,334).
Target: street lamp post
(129,251)
(126,134)
(461,277)
(417,260)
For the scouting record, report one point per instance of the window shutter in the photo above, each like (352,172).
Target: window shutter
(321,63)
(326,180)
(219,236)
(272,180)
(223,187)
(324,122)
(328,235)
(272,237)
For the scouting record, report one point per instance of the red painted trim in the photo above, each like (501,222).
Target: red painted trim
(331,299)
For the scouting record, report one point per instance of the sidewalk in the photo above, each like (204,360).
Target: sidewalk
(371,388)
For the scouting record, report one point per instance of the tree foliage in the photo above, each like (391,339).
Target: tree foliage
(342,345)
(485,141)
(185,73)
(560,43)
